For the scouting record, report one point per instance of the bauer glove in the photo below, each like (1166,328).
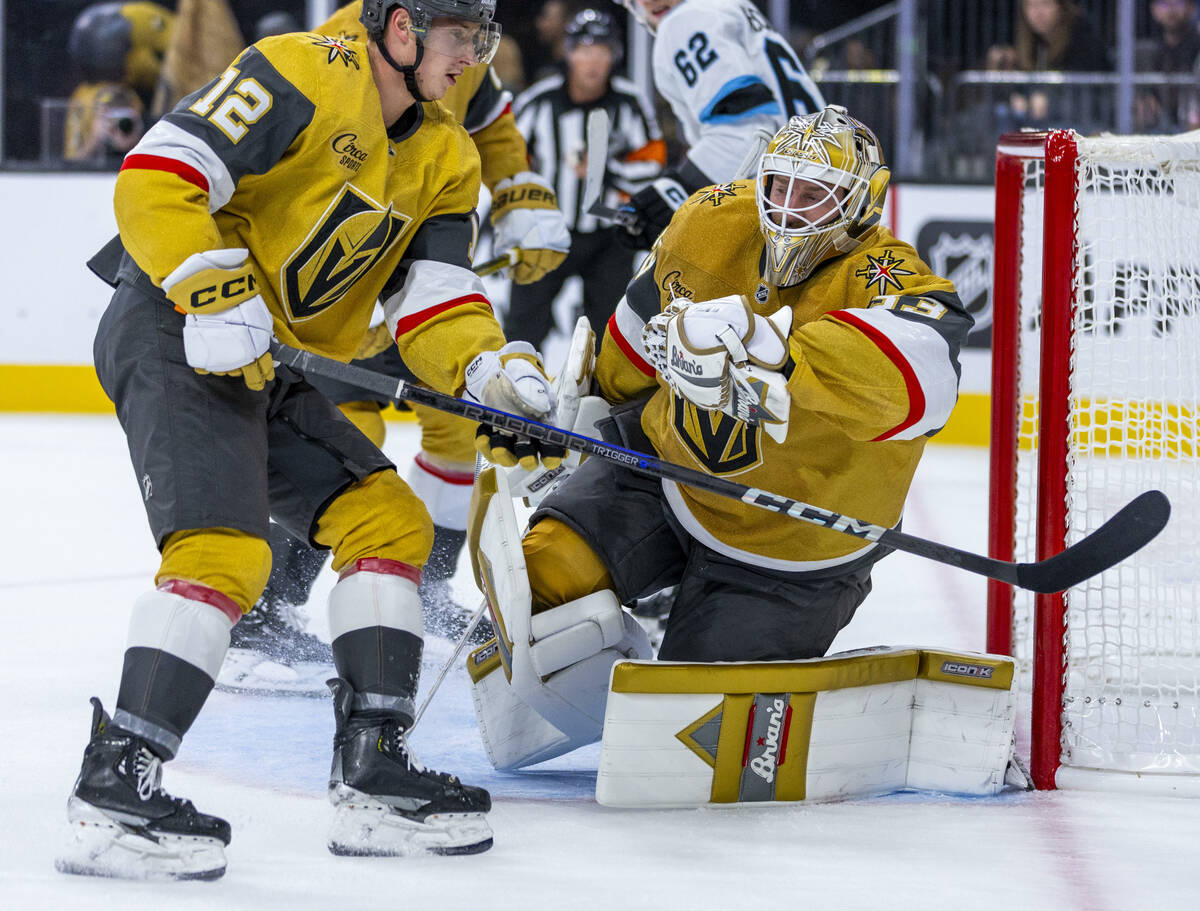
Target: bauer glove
(228,327)
(722,356)
(526,217)
(512,379)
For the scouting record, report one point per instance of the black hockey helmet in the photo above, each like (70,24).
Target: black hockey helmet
(423,12)
(591,26)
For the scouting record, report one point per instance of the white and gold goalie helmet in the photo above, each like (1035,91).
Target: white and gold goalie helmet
(821,185)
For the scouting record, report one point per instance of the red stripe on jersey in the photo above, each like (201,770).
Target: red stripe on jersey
(465,478)
(916,396)
(408,323)
(623,343)
(170,165)
(194,591)
(381,565)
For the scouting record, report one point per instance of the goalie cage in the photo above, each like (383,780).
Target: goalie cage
(1095,399)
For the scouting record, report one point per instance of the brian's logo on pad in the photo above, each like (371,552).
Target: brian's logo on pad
(767,750)
(682,364)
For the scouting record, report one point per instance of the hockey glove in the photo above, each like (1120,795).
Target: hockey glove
(526,217)
(722,356)
(650,212)
(228,327)
(512,379)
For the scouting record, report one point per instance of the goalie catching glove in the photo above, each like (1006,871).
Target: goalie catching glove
(722,356)
(228,328)
(512,379)
(526,217)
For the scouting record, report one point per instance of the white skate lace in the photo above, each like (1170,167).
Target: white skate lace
(410,757)
(148,768)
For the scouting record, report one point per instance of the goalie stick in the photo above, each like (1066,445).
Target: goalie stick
(597,164)
(1134,525)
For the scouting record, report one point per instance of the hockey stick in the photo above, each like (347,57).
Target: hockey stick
(597,164)
(462,643)
(1122,535)
(511,258)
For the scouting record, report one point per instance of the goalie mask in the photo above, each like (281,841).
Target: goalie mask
(821,185)
(423,13)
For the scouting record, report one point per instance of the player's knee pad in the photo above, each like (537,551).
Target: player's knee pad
(232,562)
(378,517)
(444,487)
(367,417)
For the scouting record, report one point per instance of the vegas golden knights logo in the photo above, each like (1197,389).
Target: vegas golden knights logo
(352,236)
(722,444)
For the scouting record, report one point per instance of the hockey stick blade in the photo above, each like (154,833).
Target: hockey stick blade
(1134,526)
(597,164)
(1119,537)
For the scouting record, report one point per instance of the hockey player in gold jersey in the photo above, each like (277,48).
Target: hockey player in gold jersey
(780,336)
(283,199)
(525,218)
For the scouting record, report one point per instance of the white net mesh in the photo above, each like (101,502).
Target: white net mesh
(1132,700)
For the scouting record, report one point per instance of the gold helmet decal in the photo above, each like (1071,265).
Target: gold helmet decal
(821,184)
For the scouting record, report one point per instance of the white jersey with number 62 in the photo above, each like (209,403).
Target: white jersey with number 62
(724,71)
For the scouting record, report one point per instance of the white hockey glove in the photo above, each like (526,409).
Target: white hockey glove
(513,379)
(526,217)
(228,327)
(722,356)
(650,211)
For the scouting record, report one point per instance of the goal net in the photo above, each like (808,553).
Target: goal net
(1095,398)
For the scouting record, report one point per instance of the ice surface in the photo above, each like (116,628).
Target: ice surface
(76,553)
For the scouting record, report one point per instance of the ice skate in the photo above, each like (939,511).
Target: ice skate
(121,823)
(270,654)
(389,805)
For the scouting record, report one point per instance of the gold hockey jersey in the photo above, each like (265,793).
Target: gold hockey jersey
(874,372)
(286,154)
(477,100)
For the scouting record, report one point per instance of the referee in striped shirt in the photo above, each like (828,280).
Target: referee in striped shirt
(551,115)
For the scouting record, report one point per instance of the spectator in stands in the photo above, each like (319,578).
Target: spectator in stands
(544,56)
(1051,36)
(1174,49)
(552,115)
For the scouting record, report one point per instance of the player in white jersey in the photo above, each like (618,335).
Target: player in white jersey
(725,73)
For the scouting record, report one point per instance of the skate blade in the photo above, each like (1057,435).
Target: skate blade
(248,673)
(97,846)
(371,829)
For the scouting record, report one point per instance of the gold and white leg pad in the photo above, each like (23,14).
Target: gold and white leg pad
(541,685)
(850,725)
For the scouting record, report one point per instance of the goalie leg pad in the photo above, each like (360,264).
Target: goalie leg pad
(516,734)
(850,725)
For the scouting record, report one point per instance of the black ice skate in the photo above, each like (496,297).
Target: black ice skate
(271,654)
(387,803)
(121,823)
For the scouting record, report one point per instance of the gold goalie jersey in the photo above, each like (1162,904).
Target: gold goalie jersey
(286,154)
(873,373)
(477,100)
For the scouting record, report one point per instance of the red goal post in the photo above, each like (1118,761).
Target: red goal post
(1095,398)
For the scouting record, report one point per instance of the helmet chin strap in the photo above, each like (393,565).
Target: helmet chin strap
(408,72)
